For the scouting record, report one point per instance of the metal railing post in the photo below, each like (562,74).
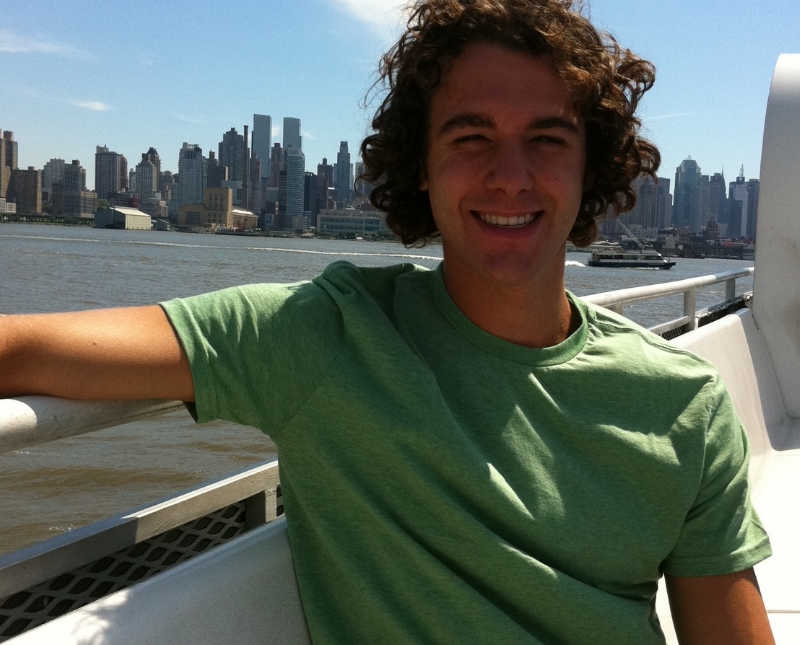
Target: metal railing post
(690,307)
(730,289)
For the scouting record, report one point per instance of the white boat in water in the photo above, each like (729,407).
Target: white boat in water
(213,565)
(614,255)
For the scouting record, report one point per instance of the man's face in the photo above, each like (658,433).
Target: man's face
(504,170)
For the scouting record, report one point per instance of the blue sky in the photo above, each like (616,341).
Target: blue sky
(136,74)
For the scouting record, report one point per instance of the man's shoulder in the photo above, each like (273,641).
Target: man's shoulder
(611,334)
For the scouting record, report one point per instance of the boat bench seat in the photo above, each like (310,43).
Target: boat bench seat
(735,345)
(241,592)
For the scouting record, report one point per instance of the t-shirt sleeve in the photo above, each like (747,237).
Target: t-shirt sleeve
(256,352)
(722,532)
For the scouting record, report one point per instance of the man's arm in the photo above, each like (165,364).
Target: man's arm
(126,353)
(719,610)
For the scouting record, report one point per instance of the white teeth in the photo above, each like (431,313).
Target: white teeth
(507,220)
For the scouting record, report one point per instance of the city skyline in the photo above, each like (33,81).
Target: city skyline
(106,76)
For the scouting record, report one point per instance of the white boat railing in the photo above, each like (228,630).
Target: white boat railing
(617,300)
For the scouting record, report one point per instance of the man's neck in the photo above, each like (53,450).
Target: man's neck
(534,315)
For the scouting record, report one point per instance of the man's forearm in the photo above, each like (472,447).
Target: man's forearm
(129,353)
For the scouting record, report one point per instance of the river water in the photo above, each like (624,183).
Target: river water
(51,488)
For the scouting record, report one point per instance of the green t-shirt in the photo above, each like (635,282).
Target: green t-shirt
(444,485)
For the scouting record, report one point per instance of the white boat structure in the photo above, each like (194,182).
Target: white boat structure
(213,565)
(614,255)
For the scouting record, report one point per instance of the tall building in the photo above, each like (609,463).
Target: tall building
(291,133)
(70,197)
(53,172)
(216,174)
(26,190)
(687,212)
(743,207)
(192,173)
(311,193)
(147,175)
(110,172)
(8,160)
(343,175)
(230,154)
(275,165)
(717,201)
(295,185)
(262,141)
(653,209)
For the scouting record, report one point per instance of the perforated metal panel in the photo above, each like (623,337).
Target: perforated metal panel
(61,594)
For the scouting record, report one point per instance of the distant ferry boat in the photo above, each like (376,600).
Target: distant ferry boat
(612,254)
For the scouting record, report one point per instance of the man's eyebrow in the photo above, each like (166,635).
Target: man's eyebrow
(550,122)
(466,120)
(475,120)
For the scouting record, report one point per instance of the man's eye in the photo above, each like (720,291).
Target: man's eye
(469,138)
(546,138)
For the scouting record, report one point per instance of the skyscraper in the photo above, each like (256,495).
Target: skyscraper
(275,163)
(295,186)
(26,190)
(230,154)
(291,133)
(109,175)
(192,173)
(262,141)
(52,173)
(686,212)
(343,174)
(8,160)
(743,207)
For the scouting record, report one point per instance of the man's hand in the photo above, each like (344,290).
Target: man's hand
(719,610)
(127,353)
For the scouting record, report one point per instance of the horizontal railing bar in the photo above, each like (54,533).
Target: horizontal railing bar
(29,420)
(647,292)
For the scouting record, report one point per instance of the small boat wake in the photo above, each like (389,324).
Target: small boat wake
(574,263)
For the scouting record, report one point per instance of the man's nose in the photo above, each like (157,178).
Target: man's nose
(510,169)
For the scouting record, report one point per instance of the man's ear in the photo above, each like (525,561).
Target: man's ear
(423,177)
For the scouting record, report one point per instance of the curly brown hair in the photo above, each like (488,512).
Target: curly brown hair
(606,82)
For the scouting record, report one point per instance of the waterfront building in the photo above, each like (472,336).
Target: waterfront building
(25,190)
(653,208)
(167,185)
(717,201)
(311,194)
(291,134)
(275,165)
(230,154)
(295,185)
(7,208)
(217,211)
(352,222)
(8,160)
(74,176)
(686,212)
(343,181)
(192,173)
(132,181)
(743,207)
(70,197)
(262,142)
(123,217)
(146,178)
(52,172)
(110,172)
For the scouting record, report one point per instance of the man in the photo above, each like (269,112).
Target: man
(465,453)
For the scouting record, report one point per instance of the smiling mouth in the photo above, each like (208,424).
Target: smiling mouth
(506,221)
